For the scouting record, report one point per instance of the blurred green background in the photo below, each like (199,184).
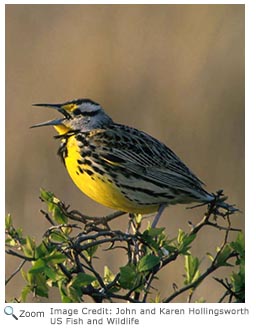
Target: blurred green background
(174,71)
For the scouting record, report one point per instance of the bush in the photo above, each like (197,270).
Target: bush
(65,258)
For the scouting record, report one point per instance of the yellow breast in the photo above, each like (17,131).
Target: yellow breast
(100,188)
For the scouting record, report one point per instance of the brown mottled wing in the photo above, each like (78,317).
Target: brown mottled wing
(147,158)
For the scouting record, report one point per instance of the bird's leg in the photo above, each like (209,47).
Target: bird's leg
(158,215)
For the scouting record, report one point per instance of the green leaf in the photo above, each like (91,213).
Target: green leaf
(128,276)
(81,280)
(28,277)
(55,257)
(109,278)
(74,291)
(108,275)
(239,244)
(24,274)
(63,293)
(58,236)
(50,273)
(46,196)
(200,300)
(137,218)
(8,222)
(11,242)
(169,248)
(151,242)
(29,247)
(74,294)
(44,249)
(224,255)
(41,290)
(180,236)
(58,215)
(38,266)
(191,269)
(90,251)
(155,240)
(147,262)
(25,292)
(238,278)
(41,250)
(53,206)
(154,231)
(238,283)
(184,241)
(36,284)
(66,299)
(66,230)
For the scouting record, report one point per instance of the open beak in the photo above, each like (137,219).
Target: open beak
(54,122)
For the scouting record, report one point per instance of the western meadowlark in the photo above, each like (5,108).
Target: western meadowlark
(119,166)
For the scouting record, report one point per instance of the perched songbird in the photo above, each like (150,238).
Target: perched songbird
(119,166)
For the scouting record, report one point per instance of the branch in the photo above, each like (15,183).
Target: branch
(214,266)
(78,216)
(14,253)
(15,272)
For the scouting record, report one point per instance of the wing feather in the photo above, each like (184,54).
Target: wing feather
(143,155)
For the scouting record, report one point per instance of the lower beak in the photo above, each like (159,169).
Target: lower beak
(55,122)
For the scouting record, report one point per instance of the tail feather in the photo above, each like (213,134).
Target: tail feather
(216,201)
(219,203)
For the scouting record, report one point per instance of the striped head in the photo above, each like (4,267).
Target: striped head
(79,115)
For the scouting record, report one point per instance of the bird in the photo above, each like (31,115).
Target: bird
(119,166)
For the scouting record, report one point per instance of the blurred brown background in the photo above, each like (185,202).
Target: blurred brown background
(174,71)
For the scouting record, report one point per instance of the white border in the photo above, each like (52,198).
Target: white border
(250,158)
(234,321)
(133,2)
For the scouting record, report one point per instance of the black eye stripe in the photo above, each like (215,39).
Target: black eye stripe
(85,113)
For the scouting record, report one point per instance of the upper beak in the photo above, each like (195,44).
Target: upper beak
(54,122)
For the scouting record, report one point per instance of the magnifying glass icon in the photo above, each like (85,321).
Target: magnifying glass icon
(8,310)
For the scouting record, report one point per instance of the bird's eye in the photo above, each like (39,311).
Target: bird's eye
(77,111)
